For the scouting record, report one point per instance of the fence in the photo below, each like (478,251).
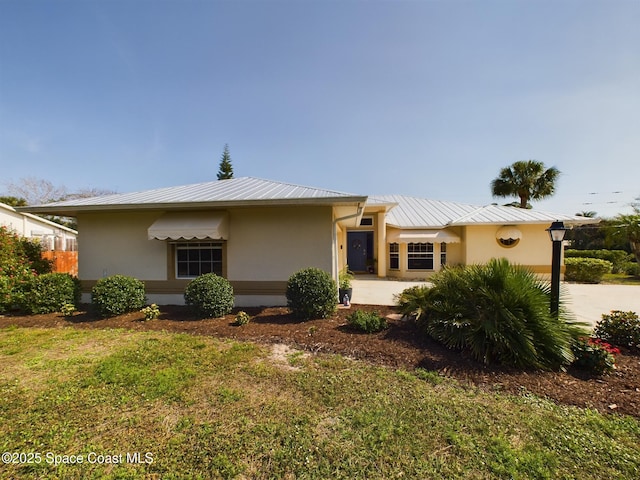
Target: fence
(63,261)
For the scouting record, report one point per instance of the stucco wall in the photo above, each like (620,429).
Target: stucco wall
(117,243)
(534,249)
(272,243)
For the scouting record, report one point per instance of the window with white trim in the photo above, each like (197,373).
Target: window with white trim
(443,254)
(197,258)
(420,256)
(394,256)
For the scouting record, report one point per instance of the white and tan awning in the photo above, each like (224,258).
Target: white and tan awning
(422,236)
(190,225)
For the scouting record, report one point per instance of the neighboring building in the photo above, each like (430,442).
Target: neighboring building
(256,233)
(59,243)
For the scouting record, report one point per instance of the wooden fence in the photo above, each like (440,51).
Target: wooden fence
(63,261)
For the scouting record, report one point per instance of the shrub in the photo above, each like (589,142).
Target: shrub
(151,312)
(118,294)
(47,293)
(594,355)
(412,301)
(368,322)
(68,309)
(631,268)
(617,257)
(587,270)
(619,328)
(311,293)
(210,295)
(242,318)
(499,313)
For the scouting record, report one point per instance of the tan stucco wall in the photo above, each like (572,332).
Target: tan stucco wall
(264,244)
(534,249)
(273,243)
(110,244)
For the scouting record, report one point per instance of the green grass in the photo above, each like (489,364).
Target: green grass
(205,408)
(620,279)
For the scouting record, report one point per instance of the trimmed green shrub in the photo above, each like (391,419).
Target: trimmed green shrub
(586,270)
(311,293)
(47,293)
(499,313)
(118,294)
(594,355)
(619,328)
(617,257)
(209,295)
(368,322)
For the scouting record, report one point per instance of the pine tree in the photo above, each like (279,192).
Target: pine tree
(225,171)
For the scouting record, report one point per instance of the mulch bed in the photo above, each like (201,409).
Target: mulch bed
(399,346)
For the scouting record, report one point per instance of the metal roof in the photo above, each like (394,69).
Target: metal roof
(412,212)
(235,191)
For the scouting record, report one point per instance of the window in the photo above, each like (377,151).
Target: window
(194,259)
(443,254)
(420,256)
(394,256)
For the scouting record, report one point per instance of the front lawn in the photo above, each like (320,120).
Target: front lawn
(152,404)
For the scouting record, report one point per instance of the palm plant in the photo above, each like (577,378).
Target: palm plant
(527,180)
(500,314)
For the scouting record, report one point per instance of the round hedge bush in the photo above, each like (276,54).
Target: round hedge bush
(586,270)
(47,293)
(118,294)
(210,295)
(312,293)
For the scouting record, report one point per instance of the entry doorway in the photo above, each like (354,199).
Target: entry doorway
(359,251)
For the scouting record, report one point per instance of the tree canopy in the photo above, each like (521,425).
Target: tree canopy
(225,171)
(528,180)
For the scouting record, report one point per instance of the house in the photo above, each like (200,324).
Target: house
(256,233)
(58,242)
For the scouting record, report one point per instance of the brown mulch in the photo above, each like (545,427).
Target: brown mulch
(399,346)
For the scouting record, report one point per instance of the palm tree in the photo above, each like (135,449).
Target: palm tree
(525,179)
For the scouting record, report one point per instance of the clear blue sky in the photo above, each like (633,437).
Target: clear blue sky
(424,98)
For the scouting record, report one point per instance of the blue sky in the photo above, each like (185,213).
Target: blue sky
(424,98)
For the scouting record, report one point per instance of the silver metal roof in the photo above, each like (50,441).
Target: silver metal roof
(412,212)
(235,191)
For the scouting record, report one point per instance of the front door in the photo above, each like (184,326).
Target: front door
(359,250)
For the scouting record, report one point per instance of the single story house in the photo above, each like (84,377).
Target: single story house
(257,233)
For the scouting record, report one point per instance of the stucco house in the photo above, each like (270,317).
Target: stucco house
(256,233)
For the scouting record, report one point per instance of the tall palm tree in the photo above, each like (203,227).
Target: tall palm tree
(526,179)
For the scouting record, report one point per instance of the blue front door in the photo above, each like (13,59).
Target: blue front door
(358,250)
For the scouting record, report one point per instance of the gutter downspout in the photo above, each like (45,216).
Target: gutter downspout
(334,231)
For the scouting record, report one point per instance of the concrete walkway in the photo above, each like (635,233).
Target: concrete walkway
(587,302)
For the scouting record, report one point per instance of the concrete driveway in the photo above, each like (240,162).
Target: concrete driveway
(587,302)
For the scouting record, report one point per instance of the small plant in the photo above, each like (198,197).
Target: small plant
(68,309)
(311,293)
(368,322)
(118,294)
(594,355)
(619,328)
(151,312)
(344,278)
(586,270)
(210,295)
(242,318)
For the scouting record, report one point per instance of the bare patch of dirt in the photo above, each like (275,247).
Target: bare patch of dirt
(399,346)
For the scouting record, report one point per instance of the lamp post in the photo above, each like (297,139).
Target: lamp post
(556,233)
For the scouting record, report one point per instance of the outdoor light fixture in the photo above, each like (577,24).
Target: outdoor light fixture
(556,234)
